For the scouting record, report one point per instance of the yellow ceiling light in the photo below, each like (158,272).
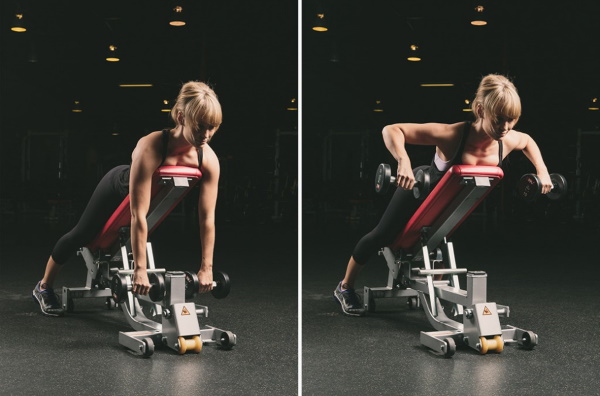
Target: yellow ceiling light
(479,16)
(437,85)
(165,106)
(414,55)
(320,24)
(135,85)
(177,17)
(292,106)
(112,55)
(467,106)
(76,107)
(378,107)
(18,23)
(594,105)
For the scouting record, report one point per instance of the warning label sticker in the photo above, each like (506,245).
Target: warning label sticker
(486,311)
(185,311)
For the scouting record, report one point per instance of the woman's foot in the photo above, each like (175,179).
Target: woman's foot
(350,301)
(48,301)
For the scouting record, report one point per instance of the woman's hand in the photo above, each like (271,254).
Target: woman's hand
(546,182)
(141,284)
(205,277)
(404,176)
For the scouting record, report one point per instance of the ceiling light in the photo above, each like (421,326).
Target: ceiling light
(479,18)
(414,55)
(177,18)
(378,107)
(594,105)
(437,85)
(18,23)
(292,106)
(165,106)
(320,24)
(135,85)
(112,55)
(467,105)
(76,107)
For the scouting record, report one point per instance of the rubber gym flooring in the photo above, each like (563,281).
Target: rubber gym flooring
(80,352)
(547,272)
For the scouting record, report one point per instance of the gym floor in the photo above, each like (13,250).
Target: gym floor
(547,272)
(80,352)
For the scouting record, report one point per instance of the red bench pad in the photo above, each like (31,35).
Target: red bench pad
(122,215)
(437,201)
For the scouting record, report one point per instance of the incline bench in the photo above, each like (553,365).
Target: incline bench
(163,316)
(423,243)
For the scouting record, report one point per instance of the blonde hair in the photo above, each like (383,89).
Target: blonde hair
(498,97)
(198,103)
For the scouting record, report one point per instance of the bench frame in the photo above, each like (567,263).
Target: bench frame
(414,270)
(170,321)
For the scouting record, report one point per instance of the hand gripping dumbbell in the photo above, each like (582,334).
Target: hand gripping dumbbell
(384,179)
(221,284)
(529,187)
(119,287)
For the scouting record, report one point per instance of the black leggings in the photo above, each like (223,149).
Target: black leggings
(400,209)
(108,195)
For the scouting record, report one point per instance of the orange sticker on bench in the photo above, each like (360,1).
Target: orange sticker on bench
(486,311)
(185,311)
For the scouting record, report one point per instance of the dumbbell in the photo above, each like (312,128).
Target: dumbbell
(529,187)
(384,179)
(221,284)
(119,287)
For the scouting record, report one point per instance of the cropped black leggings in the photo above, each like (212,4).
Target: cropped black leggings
(107,196)
(400,209)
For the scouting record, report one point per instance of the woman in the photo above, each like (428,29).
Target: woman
(486,141)
(197,116)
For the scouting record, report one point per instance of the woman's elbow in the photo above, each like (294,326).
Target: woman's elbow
(386,131)
(138,218)
(207,225)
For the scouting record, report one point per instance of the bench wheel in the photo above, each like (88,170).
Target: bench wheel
(193,344)
(529,340)
(494,344)
(450,347)
(110,303)
(148,347)
(226,340)
(413,302)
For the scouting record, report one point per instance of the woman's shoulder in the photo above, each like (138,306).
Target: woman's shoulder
(151,140)
(150,143)
(515,140)
(450,132)
(210,160)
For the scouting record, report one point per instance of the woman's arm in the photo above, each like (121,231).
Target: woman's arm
(397,135)
(207,202)
(524,142)
(145,160)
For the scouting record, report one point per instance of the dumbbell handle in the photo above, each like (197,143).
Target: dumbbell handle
(393,181)
(130,271)
(214,284)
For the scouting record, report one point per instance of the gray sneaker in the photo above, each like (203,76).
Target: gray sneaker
(48,301)
(350,301)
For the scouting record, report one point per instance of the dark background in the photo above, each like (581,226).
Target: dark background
(247,52)
(550,51)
